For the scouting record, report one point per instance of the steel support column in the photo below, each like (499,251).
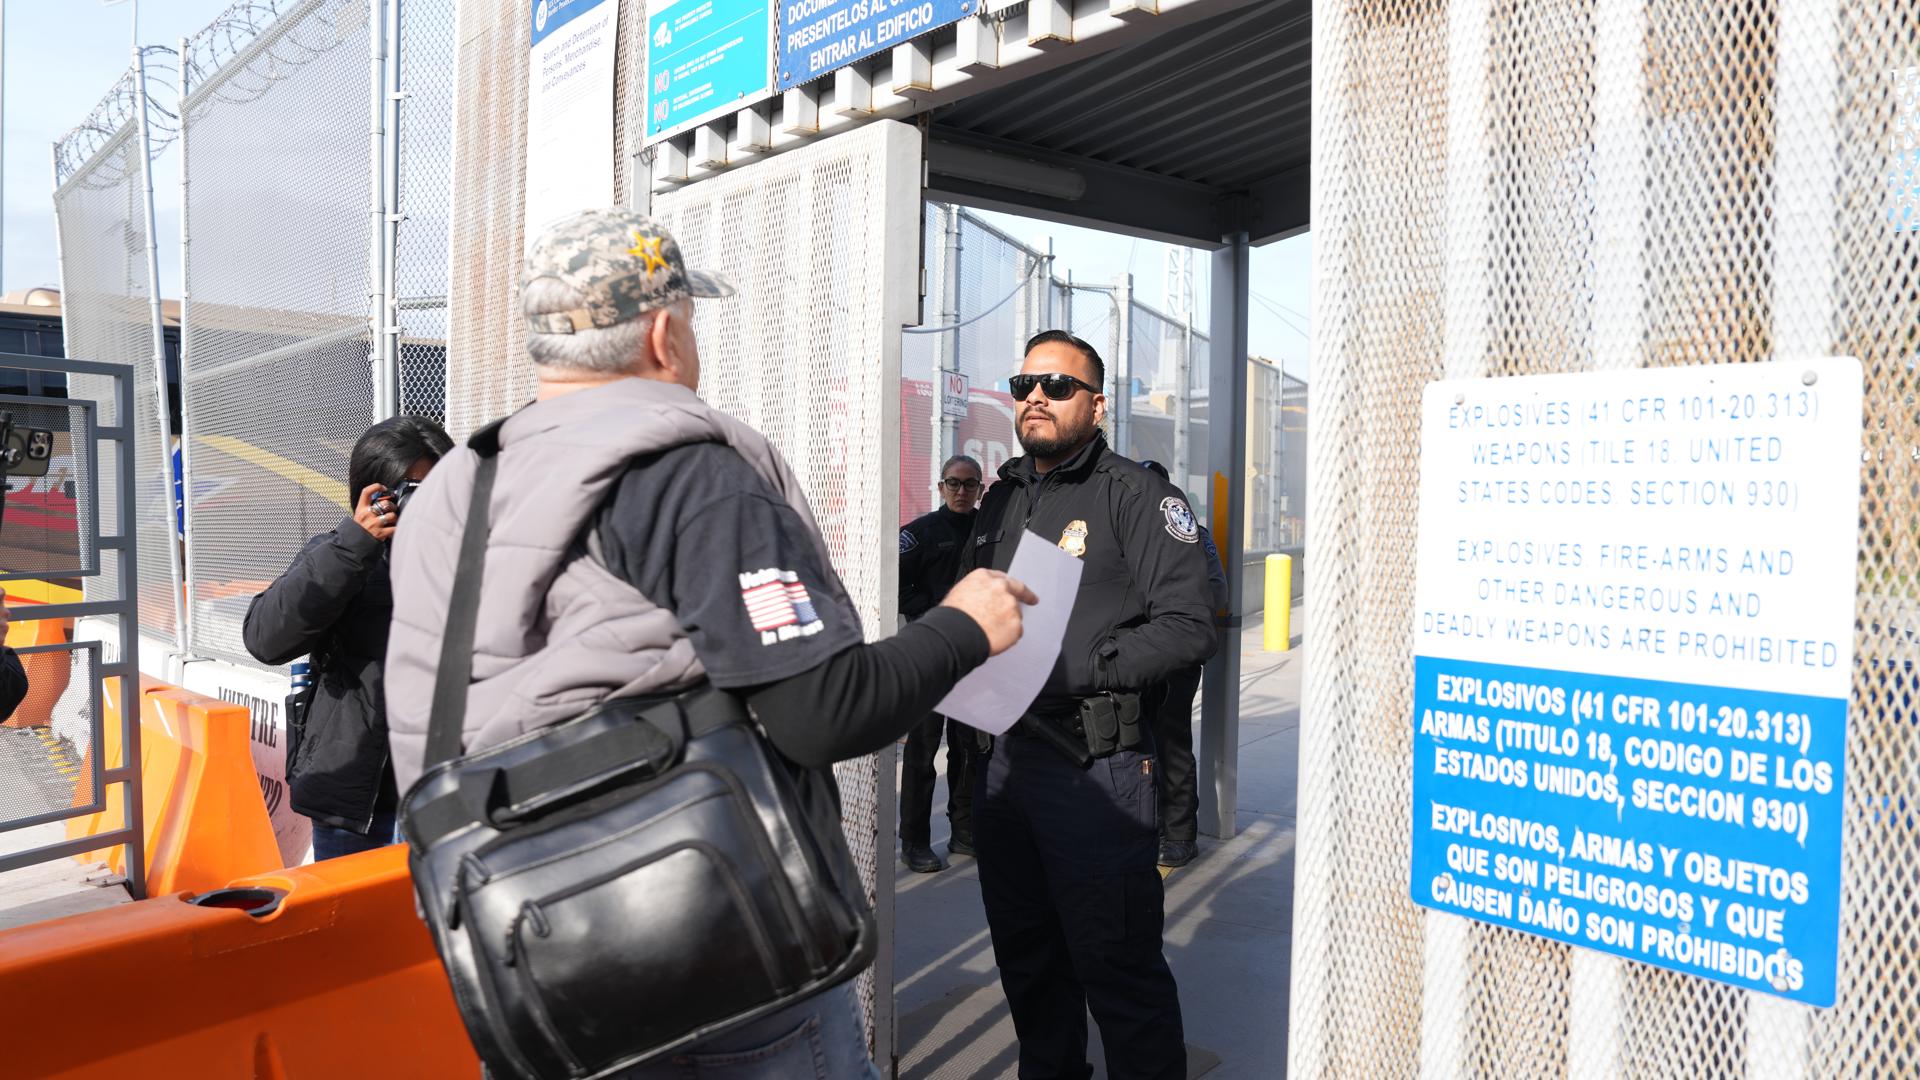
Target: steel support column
(1226,452)
(162,398)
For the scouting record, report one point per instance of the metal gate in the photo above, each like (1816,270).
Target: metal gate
(1503,189)
(68,515)
(823,244)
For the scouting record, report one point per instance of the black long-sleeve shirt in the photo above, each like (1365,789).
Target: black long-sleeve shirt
(13,682)
(698,532)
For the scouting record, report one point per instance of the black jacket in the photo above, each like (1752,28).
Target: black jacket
(1141,612)
(334,603)
(929,551)
(13,682)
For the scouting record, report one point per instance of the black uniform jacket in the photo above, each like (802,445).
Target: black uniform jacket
(335,602)
(1141,612)
(929,551)
(13,682)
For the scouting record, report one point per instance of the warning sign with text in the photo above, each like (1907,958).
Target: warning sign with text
(1633,646)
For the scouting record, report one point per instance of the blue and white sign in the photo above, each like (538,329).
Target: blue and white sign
(818,36)
(705,58)
(1633,649)
(570,109)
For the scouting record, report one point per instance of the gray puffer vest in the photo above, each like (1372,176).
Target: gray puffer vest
(558,632)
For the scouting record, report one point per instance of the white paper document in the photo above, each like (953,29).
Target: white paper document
(997,692)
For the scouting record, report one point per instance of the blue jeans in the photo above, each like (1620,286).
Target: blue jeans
(820,1038)
(331,843)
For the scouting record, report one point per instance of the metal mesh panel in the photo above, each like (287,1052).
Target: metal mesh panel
(1506,189)
(799,354)
(426,174)
(922,442)
(487,372)
(106,303)
(277,367)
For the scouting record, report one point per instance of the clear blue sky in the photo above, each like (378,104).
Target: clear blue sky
(63,55)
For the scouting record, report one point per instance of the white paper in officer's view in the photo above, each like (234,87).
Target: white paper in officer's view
(997,692)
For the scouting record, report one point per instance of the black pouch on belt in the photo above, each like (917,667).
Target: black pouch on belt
(1100,722)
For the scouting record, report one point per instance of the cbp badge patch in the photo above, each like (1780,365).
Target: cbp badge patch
(1180,523)
(1073,539)
(908,541)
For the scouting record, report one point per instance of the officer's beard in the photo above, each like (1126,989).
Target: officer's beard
(1065,440)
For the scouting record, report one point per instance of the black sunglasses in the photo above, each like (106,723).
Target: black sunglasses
(1056,386)
(957,483)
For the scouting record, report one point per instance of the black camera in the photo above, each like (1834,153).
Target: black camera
(400,493)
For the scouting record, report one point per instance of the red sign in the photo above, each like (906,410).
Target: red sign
(984,434)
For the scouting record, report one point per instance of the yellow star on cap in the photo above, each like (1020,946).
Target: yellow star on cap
(647,248)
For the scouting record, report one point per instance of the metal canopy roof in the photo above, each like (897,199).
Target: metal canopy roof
(1195,133)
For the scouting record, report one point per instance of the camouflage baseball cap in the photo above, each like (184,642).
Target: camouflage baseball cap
(623,262)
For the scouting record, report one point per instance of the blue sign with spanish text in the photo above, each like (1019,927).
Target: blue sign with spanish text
(1633,639)
(705,58)
(819,36)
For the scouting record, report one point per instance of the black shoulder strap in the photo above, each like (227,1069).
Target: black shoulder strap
(455,672)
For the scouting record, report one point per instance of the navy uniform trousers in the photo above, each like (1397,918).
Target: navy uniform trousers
(1069,878)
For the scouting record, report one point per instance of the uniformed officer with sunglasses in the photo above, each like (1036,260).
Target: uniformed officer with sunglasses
(929,550)
(1065,812)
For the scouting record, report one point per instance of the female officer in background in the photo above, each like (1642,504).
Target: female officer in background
(333,604)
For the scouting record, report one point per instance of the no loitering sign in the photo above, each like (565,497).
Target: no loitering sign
(1633,649)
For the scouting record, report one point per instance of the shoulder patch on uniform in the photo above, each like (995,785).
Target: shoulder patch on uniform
(1180,523)
(779,606)
(908,541)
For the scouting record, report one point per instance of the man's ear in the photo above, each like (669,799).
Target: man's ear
(660,342)
(1099,408)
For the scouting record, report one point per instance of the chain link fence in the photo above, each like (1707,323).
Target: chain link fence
(987,293)
(1508,189)
(420,276)
(277,370)
(100,212)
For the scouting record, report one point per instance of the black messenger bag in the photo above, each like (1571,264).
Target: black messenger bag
(621,885)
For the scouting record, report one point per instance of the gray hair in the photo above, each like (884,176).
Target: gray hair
(962,459)
(612,350)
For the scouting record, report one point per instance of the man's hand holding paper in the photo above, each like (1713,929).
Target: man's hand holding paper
(999,691)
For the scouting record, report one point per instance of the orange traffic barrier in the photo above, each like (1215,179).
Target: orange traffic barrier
(206,822)
(47,673)
(338,980)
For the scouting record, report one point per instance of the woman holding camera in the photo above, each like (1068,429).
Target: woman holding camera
(333,605)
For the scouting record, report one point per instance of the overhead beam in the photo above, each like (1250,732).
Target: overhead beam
(997,174)
(1280,206)
(1024,43)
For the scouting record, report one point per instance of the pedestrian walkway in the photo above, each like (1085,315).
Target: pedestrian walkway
(1229,919)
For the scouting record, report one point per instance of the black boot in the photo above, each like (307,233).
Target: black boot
(1177,853)
(920,859)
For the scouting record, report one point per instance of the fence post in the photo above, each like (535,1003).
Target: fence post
(380,263)
(1121,404)
(161,397)
(186,444)
(947,428)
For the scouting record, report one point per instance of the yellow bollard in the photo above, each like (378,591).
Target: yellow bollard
(1278,633)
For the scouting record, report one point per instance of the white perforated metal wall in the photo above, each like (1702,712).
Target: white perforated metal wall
(823,244)
(1504,188)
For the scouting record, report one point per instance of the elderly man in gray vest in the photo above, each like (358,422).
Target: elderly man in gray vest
(705,564)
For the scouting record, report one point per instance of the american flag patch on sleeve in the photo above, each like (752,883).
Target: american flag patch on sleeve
(778,606)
